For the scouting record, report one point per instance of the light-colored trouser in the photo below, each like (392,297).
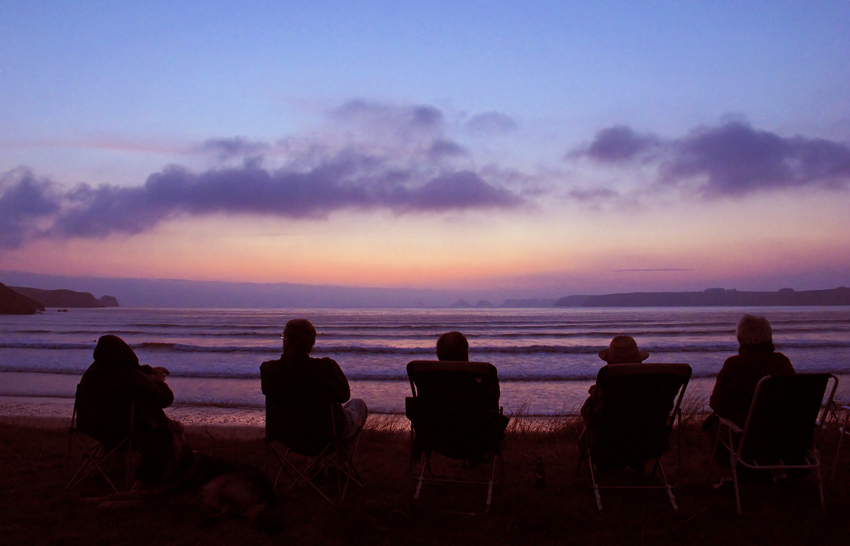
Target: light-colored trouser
(355,416)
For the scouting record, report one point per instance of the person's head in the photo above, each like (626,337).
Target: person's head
(299,336)
(753,330)
(453,346)
(115,350)
(623,350)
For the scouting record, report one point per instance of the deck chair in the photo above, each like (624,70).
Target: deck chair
(781,427)
(454,412)
(641,403)
(104,440)
(294,433)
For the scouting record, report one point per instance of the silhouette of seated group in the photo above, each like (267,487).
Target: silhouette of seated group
(308,401)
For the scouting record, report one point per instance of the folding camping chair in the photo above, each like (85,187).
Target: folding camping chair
(781,427)
(103,438)
(311,433)
(641,403)
(454,412)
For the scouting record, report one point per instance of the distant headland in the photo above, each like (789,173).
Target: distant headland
(19,300)
(713,297)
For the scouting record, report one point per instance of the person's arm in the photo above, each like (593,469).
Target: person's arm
(722,394)
(150,389)
(336,382)
(265,370)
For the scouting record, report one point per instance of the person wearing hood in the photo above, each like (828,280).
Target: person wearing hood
(106,389)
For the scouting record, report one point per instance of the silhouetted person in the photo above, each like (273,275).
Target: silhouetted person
(112,382)
(453,346)
(621,350)
(736,383)
(310,382)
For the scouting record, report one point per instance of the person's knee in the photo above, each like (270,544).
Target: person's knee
(357,411)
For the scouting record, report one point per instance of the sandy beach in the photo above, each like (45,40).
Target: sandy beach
(37,510)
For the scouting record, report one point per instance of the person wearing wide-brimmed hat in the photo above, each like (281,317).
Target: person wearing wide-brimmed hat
(622,350)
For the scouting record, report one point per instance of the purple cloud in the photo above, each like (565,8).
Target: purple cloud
(417,118)
(732,159)
(24,202)
(228,148)
(459,190)
(442,147)
(618,144)
(594,195)
(491,122)
(346,180)
(736,159)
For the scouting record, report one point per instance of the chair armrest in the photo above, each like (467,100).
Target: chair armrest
(730,424)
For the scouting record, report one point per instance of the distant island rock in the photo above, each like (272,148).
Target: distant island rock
(108,301)
(66,298)
(14,303)
(713,297)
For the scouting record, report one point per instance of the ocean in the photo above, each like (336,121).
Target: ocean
(546,358)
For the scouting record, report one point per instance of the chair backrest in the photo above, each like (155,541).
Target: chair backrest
(783,416)
(639,403)
(108,417)
(455,407)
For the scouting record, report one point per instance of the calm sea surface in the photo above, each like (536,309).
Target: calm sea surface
(546,357)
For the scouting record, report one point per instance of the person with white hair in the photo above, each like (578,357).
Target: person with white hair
(757,357)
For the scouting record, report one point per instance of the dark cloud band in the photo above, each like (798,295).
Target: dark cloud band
(731,159)
(347,180)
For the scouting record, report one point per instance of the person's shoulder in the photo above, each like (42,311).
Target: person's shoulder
(732,360)
(271,364)
(324,361)
(782,359)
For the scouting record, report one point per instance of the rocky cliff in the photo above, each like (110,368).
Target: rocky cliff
(14,303)
(711,298)
(66,298)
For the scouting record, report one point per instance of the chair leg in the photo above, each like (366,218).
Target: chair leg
(344,463)
(495,460)
(490,486)
(91,462)
(735,481)
(842,431)
(820,487)
(582,447)
(667,485)
(421,478)
(334,456)
(593,481)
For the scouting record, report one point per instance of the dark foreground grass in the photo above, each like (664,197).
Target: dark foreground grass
(34,508)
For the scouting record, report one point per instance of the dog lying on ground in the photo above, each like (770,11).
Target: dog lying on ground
(227,489)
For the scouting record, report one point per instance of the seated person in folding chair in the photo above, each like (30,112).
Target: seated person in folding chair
(622,350)
(311,381)
(454,347)
(111,383)
(736,383)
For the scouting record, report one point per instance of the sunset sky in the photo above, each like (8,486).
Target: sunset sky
(540,148)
